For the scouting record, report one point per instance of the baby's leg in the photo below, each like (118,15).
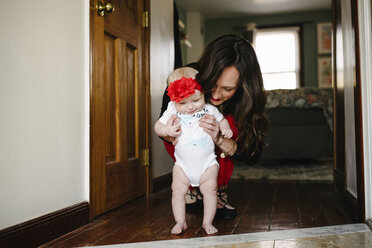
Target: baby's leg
(208,187)
(180,185)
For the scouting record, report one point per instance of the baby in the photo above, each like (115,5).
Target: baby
(196,163)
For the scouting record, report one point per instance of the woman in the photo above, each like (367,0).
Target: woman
(231,79)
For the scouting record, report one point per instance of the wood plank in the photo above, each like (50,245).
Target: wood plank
(194,223)
(137,225)
(257,214)
(262,206)
(285,204)
(310,210)
(110,223)
(151,231)
(334,209)
(239,196)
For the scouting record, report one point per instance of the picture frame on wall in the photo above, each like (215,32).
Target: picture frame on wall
(324,37)
(324,72)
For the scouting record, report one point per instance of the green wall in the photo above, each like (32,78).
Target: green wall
(308,20)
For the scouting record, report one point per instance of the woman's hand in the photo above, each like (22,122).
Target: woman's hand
(210,126)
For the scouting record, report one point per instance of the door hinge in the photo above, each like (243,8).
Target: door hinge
(146,157)
(145,19)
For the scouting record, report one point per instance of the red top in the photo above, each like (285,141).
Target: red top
(226,163)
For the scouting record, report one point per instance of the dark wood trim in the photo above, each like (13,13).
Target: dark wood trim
(97,173)
(146,76)
(338,100)
(358,114)
(45,228)
(339,179)
(339,117)
(351,206)
(302,55)
(162,182)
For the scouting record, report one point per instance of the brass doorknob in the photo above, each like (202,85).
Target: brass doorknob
(102,9)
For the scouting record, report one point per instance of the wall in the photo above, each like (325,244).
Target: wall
(161,65)
(195,32)
(44,104)
(309,19)
(44,108)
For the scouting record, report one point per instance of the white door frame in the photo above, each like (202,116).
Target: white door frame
(365,33)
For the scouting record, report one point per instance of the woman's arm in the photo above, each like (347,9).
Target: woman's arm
(228,146)
(211,127)
(225,128)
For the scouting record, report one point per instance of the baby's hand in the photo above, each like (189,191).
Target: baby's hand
(175,141)
(172,130)
(227,133)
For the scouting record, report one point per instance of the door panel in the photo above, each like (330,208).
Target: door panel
(119,106)
(110,99)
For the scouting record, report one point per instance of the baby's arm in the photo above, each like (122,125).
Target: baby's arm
(225,129)
(168,125)
(168,130)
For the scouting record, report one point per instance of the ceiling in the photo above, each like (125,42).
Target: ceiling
(211,9)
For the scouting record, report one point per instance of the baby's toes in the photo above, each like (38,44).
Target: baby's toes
(210,229)
(176,229)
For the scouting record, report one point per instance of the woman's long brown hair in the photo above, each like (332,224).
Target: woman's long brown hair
(248,103)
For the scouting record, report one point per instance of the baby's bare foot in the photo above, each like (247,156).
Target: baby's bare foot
(178,228)
(209,229)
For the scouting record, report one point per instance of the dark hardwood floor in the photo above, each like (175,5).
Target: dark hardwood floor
(261,205)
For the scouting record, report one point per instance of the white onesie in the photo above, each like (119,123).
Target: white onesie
(194,151)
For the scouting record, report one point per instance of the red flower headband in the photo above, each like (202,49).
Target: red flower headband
(182,89)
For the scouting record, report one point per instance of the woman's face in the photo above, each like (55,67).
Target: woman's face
(226,86)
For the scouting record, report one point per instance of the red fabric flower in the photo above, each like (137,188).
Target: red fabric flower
(182,89)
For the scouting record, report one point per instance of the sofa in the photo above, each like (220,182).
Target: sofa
(301,124)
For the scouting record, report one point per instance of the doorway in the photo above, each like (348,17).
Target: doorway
(353,194)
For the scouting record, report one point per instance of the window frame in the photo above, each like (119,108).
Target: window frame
(298,27)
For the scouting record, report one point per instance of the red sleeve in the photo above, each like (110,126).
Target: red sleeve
(170,149)
(226,164)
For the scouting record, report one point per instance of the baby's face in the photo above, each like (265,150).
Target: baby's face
(192,104)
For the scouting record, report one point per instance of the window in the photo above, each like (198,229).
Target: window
(278,53)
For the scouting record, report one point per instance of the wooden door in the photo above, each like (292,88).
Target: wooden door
(119,116)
